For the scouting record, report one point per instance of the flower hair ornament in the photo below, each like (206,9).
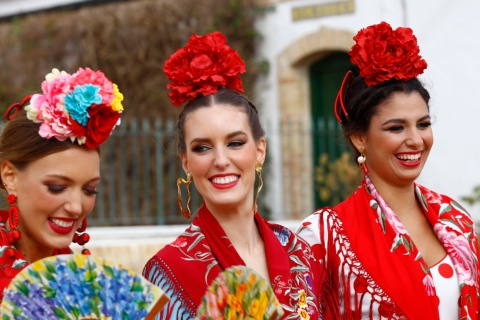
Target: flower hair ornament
(201,67)
(382,54)
(83,107)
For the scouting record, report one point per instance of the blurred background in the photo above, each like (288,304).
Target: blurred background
(296,56)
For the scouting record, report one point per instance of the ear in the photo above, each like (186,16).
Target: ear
(9,176)
(261,150)
(185,166)
(359,140)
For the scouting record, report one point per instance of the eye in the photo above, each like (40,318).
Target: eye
(91,191)
(200,148)
(236,143)
(424,125)
(55,188)
(397,128)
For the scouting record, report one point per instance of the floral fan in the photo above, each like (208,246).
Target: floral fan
(239,293)
(77,286)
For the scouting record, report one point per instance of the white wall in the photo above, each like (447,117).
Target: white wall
(447,33)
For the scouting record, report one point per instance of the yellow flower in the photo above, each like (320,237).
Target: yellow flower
(302,299)
(303,314)
(117,101)
(80,260)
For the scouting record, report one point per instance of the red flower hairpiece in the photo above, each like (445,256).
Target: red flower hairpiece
(382,53)
(201,67)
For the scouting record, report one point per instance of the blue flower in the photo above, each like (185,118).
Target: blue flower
(80,99)
(282,234)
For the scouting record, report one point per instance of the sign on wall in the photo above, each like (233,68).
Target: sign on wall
(323,10)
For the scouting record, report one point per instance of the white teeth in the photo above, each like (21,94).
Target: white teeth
(61,223)
(409,157)
(224,180)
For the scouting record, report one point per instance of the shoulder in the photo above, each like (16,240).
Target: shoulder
(311,225)
(3,215)
(434,198)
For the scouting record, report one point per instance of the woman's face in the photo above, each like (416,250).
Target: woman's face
(54,194)
(398,140)
(221,155)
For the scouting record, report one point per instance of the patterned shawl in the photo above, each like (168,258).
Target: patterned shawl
(186,267)
(385,260)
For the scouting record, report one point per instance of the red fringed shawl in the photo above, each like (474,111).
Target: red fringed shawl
(184,268)
(369,253)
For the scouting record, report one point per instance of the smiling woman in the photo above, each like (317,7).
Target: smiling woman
(394,249)
(222,147)
(50,166)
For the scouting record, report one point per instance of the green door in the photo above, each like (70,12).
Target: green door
(335,174)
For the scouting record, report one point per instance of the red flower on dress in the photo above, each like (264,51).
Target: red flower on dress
(382,54)
(201,67)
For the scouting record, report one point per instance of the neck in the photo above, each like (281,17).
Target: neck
(32,250)
(401,199)
(239,225)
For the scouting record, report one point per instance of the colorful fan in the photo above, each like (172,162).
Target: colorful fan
(77,286)
(239,293)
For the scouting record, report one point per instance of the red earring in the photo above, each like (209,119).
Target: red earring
(81,237)
(13,219)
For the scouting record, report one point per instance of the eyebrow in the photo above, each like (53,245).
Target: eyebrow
(426,117)
(63,177)
(229,136)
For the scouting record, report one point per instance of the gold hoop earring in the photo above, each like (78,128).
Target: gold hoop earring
(258,170)
(185,212)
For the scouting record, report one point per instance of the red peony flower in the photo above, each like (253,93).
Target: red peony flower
(201,67)
(382,54)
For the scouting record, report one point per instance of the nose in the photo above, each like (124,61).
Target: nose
(73,205)
(414,138)
(221,160)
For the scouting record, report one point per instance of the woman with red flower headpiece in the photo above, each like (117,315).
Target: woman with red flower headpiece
(394,249)
(222,146)
(50,166)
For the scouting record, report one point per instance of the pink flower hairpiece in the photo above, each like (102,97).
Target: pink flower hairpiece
(382,54)
(201,67)
(83,107)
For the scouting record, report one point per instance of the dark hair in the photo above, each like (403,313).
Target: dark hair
(362,101)
(20,142)
(223,96)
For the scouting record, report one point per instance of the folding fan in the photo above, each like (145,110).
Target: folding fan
(77,286)
(239,293)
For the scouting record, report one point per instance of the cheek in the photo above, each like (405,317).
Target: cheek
(88,204)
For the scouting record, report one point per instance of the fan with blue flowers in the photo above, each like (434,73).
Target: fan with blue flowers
(77,286)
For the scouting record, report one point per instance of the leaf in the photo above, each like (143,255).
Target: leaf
(444,207)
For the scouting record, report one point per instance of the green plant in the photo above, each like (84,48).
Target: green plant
(473,198)
(336,180)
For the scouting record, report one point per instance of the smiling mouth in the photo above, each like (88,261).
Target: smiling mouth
(62,223)
(224,180)
(409,157)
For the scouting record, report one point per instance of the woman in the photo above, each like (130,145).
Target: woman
(394,249)
(50,166)
(221,146)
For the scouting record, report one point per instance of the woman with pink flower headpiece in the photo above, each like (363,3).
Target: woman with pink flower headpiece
(50,166)
(222,147)
(394,249)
